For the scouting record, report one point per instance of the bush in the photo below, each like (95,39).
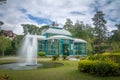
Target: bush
(106,53)
(113,57)
(84,65)
(41,53)
(4,77)
(102,68)
(55,57)
(97,57)
(64,57)
(104,57)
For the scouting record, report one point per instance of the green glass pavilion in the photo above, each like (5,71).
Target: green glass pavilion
(58,41)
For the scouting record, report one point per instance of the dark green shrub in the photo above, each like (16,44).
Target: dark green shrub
(41,53)
(64,57)
(101,68)
(55,57)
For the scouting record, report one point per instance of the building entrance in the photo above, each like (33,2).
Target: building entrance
(66,49)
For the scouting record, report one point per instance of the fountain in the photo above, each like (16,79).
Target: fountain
(28,51)
(28,56)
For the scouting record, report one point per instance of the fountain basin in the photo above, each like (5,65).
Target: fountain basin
(22,66)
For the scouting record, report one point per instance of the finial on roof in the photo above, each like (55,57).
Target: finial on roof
(54,24)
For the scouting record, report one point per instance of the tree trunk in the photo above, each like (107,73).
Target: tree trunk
(3,52)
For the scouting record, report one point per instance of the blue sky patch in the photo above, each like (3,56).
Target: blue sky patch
(40,20)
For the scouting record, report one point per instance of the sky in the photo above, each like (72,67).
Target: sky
(42,12)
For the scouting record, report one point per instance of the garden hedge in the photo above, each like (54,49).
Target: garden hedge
(41,53)
(101,68)
(105,57)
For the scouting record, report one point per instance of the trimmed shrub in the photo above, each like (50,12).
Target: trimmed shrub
(84,65)
(41,53)
(101,68)
(55,57)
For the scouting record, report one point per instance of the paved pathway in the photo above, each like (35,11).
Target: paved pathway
(9,57)
(15,58)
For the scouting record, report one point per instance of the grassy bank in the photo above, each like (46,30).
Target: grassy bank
(67,72)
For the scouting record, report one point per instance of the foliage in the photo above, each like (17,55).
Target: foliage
(17,41)
(115,39)
(1,23)
(5,77)
(3,1)
(68,24)
(81,30)
(55,57)
(33,29)
(66,72)
(41,53)
(101,68)
(106,53)
(106,57)
(100,48)
(30,28)
(64,57)
(100,29)
(4,43)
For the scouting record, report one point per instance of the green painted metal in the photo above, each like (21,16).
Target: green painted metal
(57,46)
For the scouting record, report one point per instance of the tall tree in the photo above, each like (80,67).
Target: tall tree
(30,28)
(3,1)
(1,23)
(100,29)
(84,31)
(68,25)
(78,29)
(115,39)
(4,44)
(33,29)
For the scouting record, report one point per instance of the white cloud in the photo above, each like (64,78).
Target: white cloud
(57,10)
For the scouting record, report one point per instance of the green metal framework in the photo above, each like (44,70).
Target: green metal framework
(61,46)
(80,49)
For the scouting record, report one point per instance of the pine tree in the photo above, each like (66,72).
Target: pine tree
(100,29)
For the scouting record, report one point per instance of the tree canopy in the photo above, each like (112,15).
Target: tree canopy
(100,29)
(3,1)
(33,29)
(4,43)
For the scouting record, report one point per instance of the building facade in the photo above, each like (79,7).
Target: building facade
(58,41)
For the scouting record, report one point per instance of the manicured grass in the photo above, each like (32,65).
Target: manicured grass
(67,72)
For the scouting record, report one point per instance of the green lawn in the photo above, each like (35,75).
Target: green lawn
(67,72)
